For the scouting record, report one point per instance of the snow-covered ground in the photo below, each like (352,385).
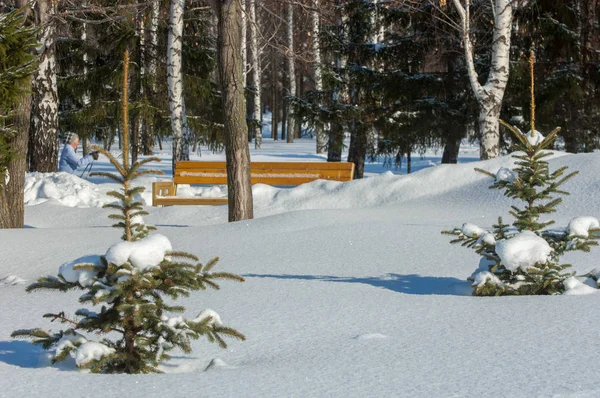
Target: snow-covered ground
(351,290)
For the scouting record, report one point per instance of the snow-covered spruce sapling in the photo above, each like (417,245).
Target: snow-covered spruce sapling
(523,259)
(130,286)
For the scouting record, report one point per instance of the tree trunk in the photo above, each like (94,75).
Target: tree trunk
(321,138)
(237,154)
(256,77)
(175,80)
(274,96)
(43,155)
(335,143)
(489,96)
(149,132)
(451,148)
(357,153)
(408,162)
(291,69)
(12,184)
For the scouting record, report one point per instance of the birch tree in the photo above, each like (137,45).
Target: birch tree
(148,139)
(291,69)
(237,153)
(256,76)
(317,72)
(489,95)
(43,134)
(175,81)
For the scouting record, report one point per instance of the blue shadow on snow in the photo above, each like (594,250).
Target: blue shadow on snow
(407,284)
(21,353)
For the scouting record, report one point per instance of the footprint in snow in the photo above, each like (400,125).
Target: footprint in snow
(11,280)
(218,363)
(370,336)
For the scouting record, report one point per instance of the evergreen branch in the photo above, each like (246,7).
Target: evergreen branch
(107,175)
(485,172)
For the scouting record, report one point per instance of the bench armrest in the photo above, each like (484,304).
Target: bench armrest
(163,188)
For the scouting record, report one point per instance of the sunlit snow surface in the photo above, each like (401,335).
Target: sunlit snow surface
(351,290)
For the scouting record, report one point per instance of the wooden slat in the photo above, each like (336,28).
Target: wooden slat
(172,201)
(271,173)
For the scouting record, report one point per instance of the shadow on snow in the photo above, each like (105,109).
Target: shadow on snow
(22,354)
(407,284)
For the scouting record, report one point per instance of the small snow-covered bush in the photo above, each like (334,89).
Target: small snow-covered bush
(524,258)
(129,286)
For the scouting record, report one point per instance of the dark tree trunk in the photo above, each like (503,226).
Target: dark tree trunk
(451,149)
(408,163)
(357,152)
(335,143)
(237,154)
(12,184)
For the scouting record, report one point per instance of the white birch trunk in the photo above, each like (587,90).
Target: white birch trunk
(43,134)
(317,72)
(489,96)
(174,79)
(291,70)
(256,75)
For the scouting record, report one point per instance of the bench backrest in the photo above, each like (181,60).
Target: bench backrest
(271,173)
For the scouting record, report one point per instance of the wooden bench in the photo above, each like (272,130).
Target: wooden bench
(271,173)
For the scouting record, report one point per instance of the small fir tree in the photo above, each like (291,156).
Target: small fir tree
(131,283)
(524,258)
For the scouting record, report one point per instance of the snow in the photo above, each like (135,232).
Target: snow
(91,350)
(84,277)
(215,317)
(505,174)
(575,287)
(143,254)
(351,290)
(523,250)
(535,138)
(580,226)
(472,230)
(482,277)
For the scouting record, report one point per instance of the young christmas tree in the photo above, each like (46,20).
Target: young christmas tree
(524,258)
(130,284)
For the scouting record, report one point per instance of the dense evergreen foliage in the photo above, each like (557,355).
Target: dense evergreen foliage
(17,63)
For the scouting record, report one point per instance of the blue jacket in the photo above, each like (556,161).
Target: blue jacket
(69,162)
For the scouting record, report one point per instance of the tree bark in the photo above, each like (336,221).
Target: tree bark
(291,69)
(451,149)
(12,184)
(315,32)
(148,137)
(175,81)
(274,96)
(256,76)
(42,154)
(237,154)
(489,96)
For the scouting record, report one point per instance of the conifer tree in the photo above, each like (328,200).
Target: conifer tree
(131,283)
(524,258)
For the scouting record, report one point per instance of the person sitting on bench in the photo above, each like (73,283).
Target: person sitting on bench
(69,162)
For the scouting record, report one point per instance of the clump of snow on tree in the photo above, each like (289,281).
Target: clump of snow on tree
(90,351)
(483,277)
(535,138)
(523,251)
(84,277)
(143,254)
(472,230)
(580,226)
(505,174)
(215,317)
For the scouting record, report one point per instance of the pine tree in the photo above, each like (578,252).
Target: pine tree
(131,283)
(524,258)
